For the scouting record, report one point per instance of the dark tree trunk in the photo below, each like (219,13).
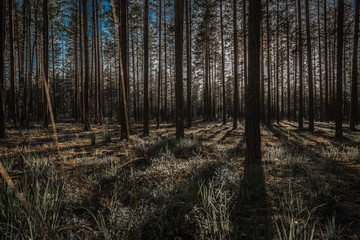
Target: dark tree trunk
(354,83)
(87,100)
(2,67)
(310,70)
(160,71)
(245,51)
(188,67)
(327,118)
(301,104)
(124,43)
(223,62)
(179,96)
(46,61)
(252,120)
(339,65)
(236,83)
(268,64)
(146,68)
(13,99)
(288,61)
(320,65)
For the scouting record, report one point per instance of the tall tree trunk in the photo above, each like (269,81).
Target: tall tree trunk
(277,63)
(133,70)
(320,64)
(223,62)
(46,60)
(159,71)
(146,68)
(98,53)
(87,100)
(165,70)
(188,66)
(252,120)
(179,96)
(76,76)
(326,64)
(310,70)
(354,81)
(124,43)
(2,67)
(339,65)
(13,100)
(236,83)
(53,69)
(245,49)
(301,104)
(288,61)
(268,64)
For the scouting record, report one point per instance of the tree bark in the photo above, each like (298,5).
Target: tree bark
(268,64)
(301,103)
(310,69)
(46,60)
(13,99)
(146,68)
(354,81)
(2,68)
(223,62)
(236,83)
(179,98)
(188,67)
(339,65)
(87,100)
(320,65)
(252,120)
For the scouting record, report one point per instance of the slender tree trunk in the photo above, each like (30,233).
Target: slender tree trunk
(76,80)
(29,100)
(223,62)
(2,68)
(277,63)
(326,64)
(310,70)
(320,65)
(46,59)
(262,78)
(179,22)
(53,69)
(165,72)
(236,84)
(245,49)
(288,61)
(268,64)
(13,100)
(146,68)
(301,104)
(133,70)
(252,120)
(98,69)
(124,43)
(188,67)
(354,81)
(160,70)
(87,100)
(339,64)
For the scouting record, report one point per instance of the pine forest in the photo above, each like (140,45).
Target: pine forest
(179,119)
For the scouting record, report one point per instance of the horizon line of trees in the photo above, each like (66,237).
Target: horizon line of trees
(130,61)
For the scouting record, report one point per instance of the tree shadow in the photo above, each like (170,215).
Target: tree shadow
(252,215)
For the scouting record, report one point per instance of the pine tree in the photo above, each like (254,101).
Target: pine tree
(179,22)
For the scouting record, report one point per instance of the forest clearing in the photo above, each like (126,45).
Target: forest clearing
(157,188)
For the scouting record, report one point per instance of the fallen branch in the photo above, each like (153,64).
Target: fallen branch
(11,184)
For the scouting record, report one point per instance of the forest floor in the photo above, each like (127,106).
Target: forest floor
(158,188)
